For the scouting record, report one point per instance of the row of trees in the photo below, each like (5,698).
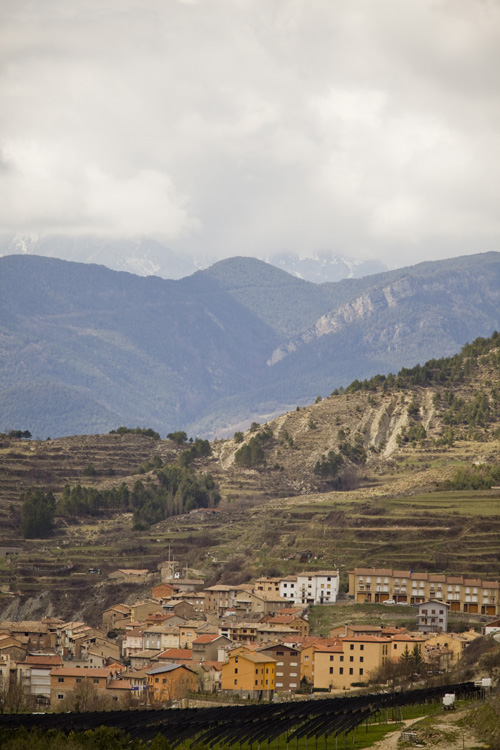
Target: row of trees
(178,490)
(450,370)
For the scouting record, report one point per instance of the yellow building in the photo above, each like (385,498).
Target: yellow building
(462,594)
(352,659)
(249,673)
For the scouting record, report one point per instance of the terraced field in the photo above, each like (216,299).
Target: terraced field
(275,518)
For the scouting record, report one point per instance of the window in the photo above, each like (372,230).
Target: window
(331,670)
(60,679)
(361,658)
(236,682)
(351,670)
(331,657)
(78,679)
(352,646)
(236,670)
(351,658)
(360,672)
(341,670)
(96,680)
(60,696)
(342,657)
(362,647)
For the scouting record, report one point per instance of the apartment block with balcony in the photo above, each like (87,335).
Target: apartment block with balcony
(462,594)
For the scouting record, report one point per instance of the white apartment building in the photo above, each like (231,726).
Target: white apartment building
(318,587)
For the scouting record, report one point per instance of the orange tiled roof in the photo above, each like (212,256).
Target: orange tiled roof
(177,653)
(43,659)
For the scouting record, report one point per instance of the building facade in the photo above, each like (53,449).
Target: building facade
(462,594)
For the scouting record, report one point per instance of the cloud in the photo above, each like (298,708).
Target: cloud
(236,126)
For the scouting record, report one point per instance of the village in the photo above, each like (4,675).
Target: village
(228,642)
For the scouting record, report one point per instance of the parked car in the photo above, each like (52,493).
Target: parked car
(389,601)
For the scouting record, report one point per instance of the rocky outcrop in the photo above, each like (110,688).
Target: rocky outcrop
(366,305)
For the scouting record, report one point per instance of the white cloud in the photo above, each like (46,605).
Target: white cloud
(236,126)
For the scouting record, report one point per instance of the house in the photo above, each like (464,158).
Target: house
(266,584)
(133,641)
(295,622)
(163,591)
(140,610)
(143,659)
(220,598)
(211,647)
(209,675)
(171,682)
(36,673)
(492,627)
(195,598)
(188,632)
(461,593)
(179,607)
(449,646)
(12,648)
(119,690)
(175,656)
(115,617)
(433,617)
(65,679)
(311,587)
(138,682)
(160,637)
(34,634)
(287,669)
(271,633)
(258,603)
(239,632)
(247,673)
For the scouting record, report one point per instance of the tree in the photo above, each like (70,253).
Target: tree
(85,697)
(179,437)
(20,434)
(15,700)
(37,513)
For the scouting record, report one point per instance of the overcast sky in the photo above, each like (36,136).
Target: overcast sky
(368,128)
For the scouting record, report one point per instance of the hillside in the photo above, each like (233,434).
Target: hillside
(84,349)
(411,450)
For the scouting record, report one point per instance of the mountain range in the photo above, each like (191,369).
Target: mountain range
(85,349)
(146,256)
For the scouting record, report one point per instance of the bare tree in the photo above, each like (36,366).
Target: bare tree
(14,699)
(85,697)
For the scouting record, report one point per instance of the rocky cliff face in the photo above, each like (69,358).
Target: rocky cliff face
(369,304)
